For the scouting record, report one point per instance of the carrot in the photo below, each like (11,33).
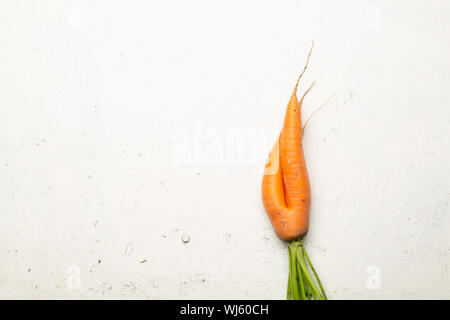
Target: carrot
(285,187)
(287,197)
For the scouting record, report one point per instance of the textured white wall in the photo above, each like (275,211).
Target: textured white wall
(126,124)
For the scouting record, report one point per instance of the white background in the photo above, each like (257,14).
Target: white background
(113,117)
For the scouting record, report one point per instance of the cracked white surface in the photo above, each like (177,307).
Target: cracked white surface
(93,94)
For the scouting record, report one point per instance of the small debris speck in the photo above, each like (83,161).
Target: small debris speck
(185,238)
(143,261)
(128,249)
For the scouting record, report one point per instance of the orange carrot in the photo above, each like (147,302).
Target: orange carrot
(287,197)
(285,187)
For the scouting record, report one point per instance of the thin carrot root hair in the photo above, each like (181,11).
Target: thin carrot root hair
(304,68)
(306,92)
(317,110)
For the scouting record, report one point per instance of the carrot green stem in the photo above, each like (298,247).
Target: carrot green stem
(302,283)
(294,287)
(304,267)
(315,274)
(289,285)
(300,278)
